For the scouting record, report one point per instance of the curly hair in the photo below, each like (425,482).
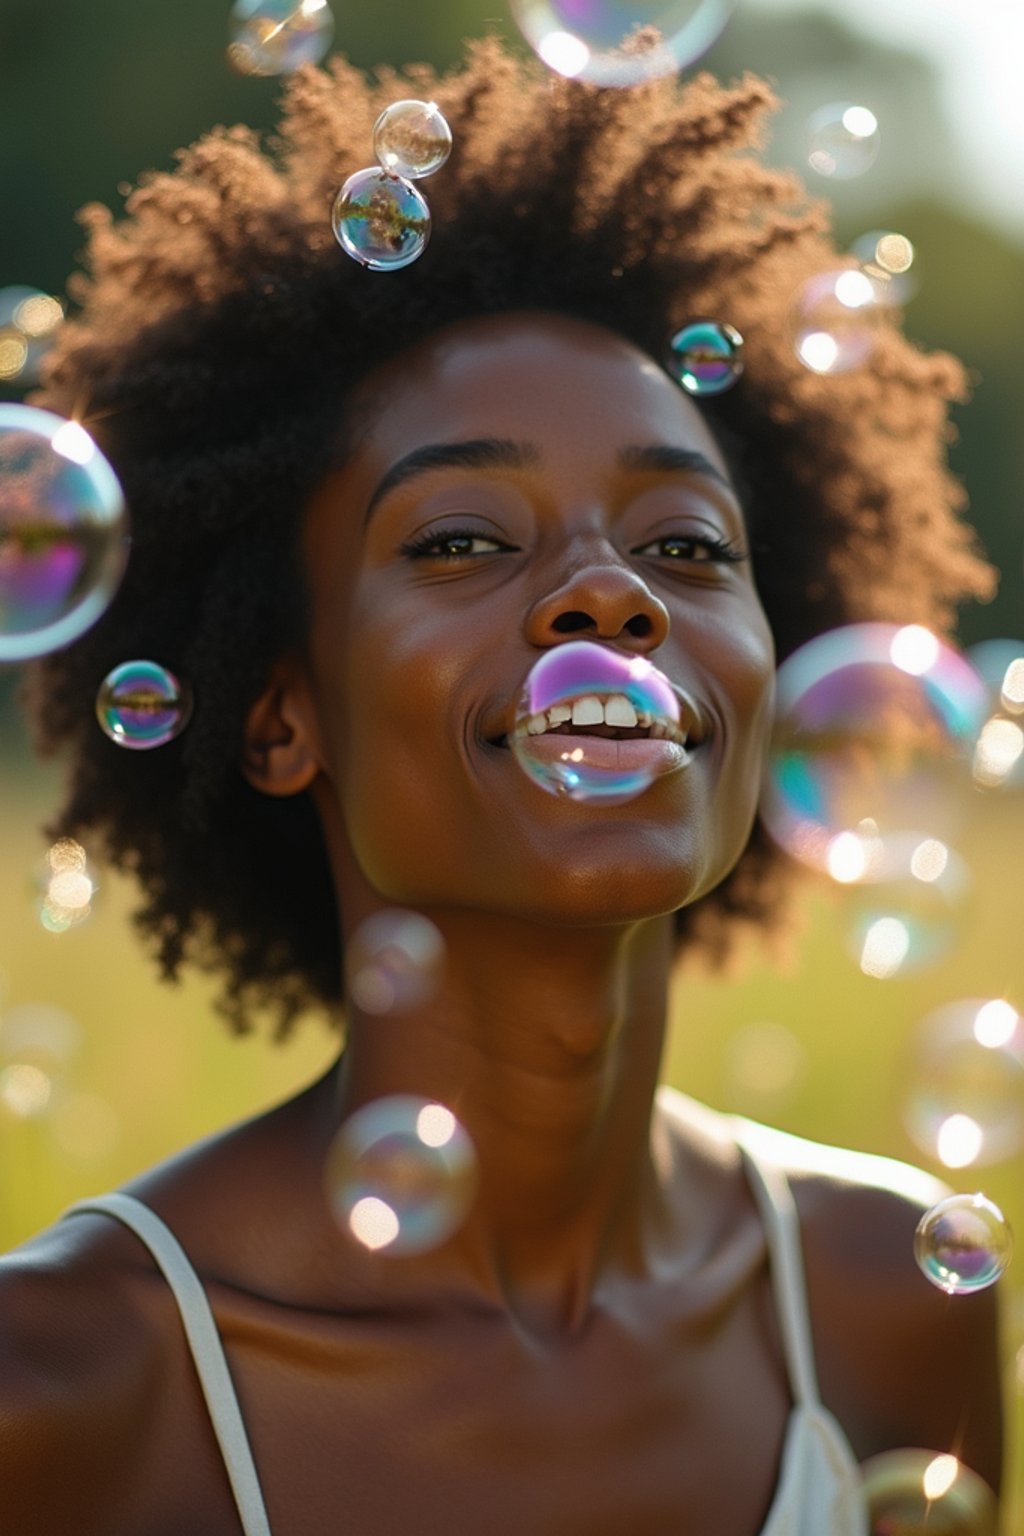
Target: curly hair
(221,334)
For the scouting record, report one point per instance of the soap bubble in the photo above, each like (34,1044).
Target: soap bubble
(842,140)
(999,751)
(963,1244)
(140,705)
(706,357)
(835,320)
(597,725)
(273,37)
(901,913)
(912,1491)
(401,1174)
(394,962)
(887,258)
(380,220)
(966,1101)
(63,532)
(39,1044)
(412,139)
(29,321)
(874,727)
(620,42)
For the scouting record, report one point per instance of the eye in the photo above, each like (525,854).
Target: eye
(703,548)
(453,544)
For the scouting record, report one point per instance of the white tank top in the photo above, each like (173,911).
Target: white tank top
(819,1487)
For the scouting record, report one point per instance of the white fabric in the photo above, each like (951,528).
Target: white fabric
(818,1491)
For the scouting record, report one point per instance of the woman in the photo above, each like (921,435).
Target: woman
(365,504)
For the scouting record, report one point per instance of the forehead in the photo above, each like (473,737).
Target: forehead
(543,379)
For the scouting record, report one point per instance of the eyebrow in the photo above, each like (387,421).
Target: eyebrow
(502,453)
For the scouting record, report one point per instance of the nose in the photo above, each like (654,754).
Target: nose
(603,599)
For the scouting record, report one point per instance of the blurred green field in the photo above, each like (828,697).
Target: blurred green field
(809,1044)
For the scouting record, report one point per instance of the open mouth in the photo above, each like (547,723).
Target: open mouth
(612,717)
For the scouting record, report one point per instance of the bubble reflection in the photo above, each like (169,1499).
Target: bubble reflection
(965,1103)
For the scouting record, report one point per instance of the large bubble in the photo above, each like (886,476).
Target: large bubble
(597,725)
(63,532)
(963,1244)
(380,220)
(874,729)
(926,1493)
(274,37)
(620,42)
(401,1175)
(965,1102)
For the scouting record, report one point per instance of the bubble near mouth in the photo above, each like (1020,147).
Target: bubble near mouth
(596,725)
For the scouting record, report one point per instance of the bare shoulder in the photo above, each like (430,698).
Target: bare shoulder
(79,1362)
(900,1362)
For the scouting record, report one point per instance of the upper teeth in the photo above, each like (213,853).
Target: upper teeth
(589,709)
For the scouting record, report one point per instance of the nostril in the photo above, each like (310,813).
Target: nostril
(569,623)
(639,626)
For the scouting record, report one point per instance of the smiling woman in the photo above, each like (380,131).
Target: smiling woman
(366,505)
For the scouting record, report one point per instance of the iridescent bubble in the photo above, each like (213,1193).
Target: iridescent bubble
(401,1175)
(999,751)
(836,318)
(141,705)
(887,258)
(706,357)
(597,725)
(394,962)
(412,139)
(29,321)
(842,140)
(909,1492)
(901,913)
(273,37)
(380,220)
(963,1244)
(63,532)
(874,728)
(965,1104)
(620,42)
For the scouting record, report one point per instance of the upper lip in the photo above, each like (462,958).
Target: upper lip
(692,729)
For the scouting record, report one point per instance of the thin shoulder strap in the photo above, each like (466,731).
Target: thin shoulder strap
(782,1229)
(205,1344)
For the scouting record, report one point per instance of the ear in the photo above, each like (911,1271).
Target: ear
(281,752)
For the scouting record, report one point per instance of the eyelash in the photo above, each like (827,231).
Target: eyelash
(427,545)
(720,550)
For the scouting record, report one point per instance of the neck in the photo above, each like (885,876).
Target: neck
(546,1044)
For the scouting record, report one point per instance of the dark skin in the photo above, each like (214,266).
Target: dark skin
(595,1350)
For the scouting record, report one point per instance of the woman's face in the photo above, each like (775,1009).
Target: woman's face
(517,482)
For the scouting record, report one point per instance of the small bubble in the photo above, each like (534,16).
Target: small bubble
(597,725)
(836,317)
(412,139)
(274,37)
(842,140)
(706,357)
(963,1244)
(394,962)
(967,1065)
(380,220)
(609,43)
(141,705)
(911,1491)
(63,532)
(401,1175)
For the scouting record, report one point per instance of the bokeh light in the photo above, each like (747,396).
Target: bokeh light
(273,37)
(597,725)
(887,258)
(964,1102)
(918,1491)
(999,751)
(141,705)
(963,1244)
(394,962)
(39,1047)
(835,319)
(706,357)
(63,532)
(842,140)
(67,887)
(412,139)
(401,1175)
(620,42)
(904,907)
(874,729)
(380,220)
(29,322)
